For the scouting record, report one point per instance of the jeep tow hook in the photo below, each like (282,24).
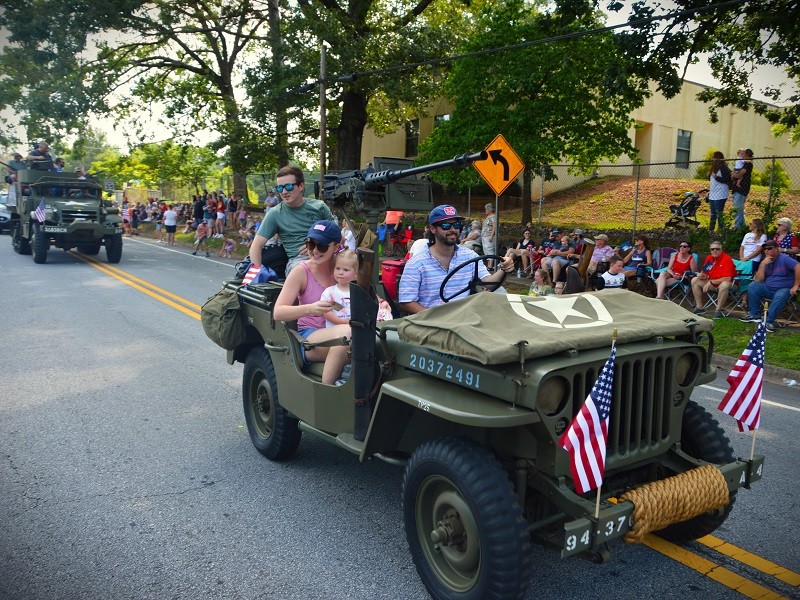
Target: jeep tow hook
(449,531)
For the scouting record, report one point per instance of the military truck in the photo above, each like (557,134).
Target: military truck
(62,210)
(471,399)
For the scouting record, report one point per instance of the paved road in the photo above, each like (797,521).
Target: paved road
(127,471)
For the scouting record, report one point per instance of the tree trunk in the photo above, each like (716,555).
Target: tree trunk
(350,132)
(527,184)
(276,44)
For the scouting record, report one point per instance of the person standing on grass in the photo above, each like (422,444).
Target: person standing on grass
(719,182)
(741,184)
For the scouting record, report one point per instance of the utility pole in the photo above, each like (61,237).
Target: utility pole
(323,126)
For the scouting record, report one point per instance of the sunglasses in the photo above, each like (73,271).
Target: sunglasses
(684,246)
(311,244)
(448,226)
(770,247)
(716,249)
(286,186)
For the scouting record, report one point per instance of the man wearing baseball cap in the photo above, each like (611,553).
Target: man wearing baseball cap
(777,280)
(425,271)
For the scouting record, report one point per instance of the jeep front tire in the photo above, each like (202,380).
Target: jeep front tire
(464,523)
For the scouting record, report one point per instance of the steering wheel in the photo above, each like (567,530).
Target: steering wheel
(475,282)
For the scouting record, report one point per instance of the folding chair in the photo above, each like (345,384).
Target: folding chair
(737,291)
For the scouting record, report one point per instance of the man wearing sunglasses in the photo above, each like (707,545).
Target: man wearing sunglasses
(290,219)
(717,272)
(425,271)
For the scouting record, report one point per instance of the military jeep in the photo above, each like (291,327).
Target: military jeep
(471,398)
(61,210)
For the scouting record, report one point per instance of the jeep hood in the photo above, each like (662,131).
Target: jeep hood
(488,328)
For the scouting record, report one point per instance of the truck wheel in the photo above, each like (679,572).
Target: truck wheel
(464,523)
(19,242)
(703,438)
(41,244)
(114,248)
(273,432)
(91,250)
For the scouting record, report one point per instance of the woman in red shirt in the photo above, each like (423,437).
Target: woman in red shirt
(680,263)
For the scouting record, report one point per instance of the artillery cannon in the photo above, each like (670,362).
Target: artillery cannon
(391,183)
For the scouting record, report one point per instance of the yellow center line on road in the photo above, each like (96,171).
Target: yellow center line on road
(188,308)
(726,577)
(745,557)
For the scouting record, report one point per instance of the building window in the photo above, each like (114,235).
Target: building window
(439,119)
(412,137)
(683,149)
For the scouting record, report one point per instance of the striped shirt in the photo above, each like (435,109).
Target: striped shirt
(423,275)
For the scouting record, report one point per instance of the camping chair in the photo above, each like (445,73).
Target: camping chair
(737,291)
(399,240)
(685,213)
(576,274)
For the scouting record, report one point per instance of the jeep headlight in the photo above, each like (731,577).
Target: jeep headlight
(686,369)
(553,396)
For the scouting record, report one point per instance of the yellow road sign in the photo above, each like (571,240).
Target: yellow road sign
(502,166)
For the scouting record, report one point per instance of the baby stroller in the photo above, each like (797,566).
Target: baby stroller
(685,214)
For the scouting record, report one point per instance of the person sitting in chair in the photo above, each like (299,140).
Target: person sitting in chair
(777,280)
(718,272)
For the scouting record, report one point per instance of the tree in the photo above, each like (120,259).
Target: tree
(735,38)
(365,37)
(561,100)
(182,53)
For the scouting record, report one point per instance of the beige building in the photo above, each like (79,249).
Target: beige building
(675,132)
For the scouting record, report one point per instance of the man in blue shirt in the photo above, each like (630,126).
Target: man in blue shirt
(777,279)
(425,271)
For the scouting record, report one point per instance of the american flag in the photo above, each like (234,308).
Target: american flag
(251,274)
(39,212)
(743,400)
(585,439)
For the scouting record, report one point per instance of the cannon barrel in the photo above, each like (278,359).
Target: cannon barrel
(375,180)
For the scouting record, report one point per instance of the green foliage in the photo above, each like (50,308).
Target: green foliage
(561,100)
(776,179)
(703,170)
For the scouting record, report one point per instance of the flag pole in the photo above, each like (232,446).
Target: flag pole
(599,487)
(764,323)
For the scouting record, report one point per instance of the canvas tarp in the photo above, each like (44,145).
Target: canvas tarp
(487,327)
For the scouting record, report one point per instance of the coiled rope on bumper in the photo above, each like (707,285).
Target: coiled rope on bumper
(675,499)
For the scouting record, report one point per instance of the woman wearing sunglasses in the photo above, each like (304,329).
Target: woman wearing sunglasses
(681,263)
(299,300)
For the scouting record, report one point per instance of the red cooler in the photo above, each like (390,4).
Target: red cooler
(390,273)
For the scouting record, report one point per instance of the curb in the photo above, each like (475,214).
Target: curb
(771,373)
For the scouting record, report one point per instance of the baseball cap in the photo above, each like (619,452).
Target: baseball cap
(770,244)
(554,231)
(602,236)
(325,232)
(578,232)
(748,152)
(442,213)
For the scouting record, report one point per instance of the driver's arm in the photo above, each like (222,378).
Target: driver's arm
(411,308)
(505,267)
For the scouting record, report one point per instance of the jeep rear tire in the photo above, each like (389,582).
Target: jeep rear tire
(455,490)
(273,432)
(19,242)
(703,438)
(40,244)
(90,250)
(114,248)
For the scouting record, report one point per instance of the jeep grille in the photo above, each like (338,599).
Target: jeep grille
(640,411)
(68,216)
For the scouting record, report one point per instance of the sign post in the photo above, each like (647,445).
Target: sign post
(499,170)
